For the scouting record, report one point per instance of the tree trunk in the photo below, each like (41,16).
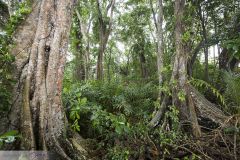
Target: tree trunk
(109,65)
(104,33)
(85,29)
(179,75)
(101,51)
(204,34)
(87,58)
(80,69)
(37,109)
(159,32)
(160,43)
(143,65)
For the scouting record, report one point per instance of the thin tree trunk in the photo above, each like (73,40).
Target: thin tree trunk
(204,33)
(108,65)
(159,32)
(87,63)
(104,33)
(80,52)
(143,65)
(85,29)
(160,43)
(37,109)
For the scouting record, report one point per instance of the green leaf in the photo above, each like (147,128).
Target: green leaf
(9,133)
(10,139)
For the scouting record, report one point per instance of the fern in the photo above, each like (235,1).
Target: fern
(203,84)
(232,90)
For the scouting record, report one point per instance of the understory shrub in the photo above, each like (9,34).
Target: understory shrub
(117,117)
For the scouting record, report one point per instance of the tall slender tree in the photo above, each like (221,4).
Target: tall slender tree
(105,28)
(158,22)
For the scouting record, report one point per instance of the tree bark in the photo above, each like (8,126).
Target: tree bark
(37,109)
(179,75)
(160,43)
(85,29)
(104,33)
(159,32)
(80,52)
(181,97)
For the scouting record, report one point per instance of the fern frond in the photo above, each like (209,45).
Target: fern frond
(203,84)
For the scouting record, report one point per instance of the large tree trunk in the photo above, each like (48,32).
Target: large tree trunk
(181,95)
(40,51)
(179,75)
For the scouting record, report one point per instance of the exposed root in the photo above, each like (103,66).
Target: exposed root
(207,109)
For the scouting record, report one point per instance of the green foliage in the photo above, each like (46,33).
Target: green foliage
(116,112)
(6,59)
(232,93)
(233,45)
(8,137)
(186,36)
(20,14)
(118,153)
(181,95)
(203,84)
(117,116)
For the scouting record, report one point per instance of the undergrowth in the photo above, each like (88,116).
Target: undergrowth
(117,117)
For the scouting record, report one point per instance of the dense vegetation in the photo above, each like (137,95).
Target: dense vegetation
(121,73)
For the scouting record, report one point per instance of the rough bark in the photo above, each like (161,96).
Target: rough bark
(37,109)
(179,74)
(179,67)
(207,109)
